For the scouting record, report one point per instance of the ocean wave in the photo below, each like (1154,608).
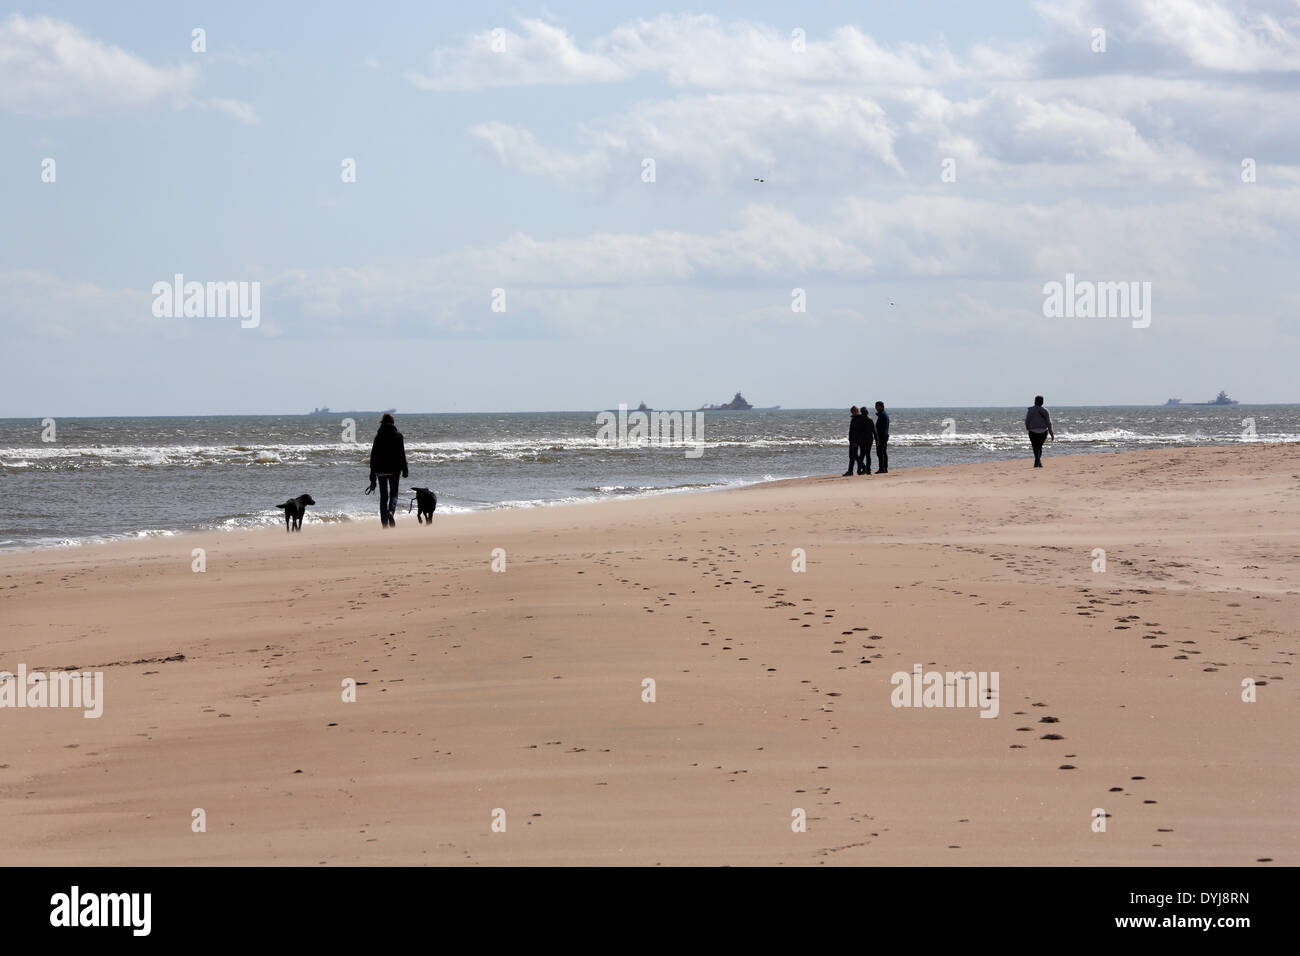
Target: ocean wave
(54,541)
(552,450)
(605,493)
(642,490)
(1110,438)
(273,517)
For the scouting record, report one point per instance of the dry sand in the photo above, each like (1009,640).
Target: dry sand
(522,690)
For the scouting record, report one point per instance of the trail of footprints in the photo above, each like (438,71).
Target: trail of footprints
(714,566)
(711,566)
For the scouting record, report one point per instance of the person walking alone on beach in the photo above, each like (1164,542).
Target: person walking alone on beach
(387,460)
(1039,425)
(855,436)
(866,435)
(882,438)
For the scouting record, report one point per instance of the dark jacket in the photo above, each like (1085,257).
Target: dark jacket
(388,453)
(861,431)
(1037,419)
(882,425)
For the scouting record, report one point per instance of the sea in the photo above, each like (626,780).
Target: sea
(69,482)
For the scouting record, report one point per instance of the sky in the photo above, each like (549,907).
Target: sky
(556,206)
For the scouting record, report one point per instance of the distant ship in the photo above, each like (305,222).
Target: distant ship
(1174,401)
(737,404)
(1221,399)
(325,411)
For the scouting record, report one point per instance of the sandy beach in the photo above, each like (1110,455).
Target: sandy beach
(522,690)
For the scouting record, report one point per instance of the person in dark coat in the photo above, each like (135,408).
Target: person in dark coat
(1039,425)
(882,439)
(866,435)
(855,437)
(387,462)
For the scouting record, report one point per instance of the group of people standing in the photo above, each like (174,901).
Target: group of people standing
(863,433)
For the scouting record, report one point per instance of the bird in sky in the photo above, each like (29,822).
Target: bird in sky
(757,180)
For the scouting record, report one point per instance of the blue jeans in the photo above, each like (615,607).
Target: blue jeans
(387,498)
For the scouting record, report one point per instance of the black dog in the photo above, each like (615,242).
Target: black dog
(293,511)
(428,502)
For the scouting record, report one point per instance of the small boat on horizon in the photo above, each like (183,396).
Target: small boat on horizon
(324,410)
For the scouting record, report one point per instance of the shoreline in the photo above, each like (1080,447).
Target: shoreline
(344,521)
(348,520)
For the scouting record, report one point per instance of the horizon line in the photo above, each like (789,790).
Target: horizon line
(586,411)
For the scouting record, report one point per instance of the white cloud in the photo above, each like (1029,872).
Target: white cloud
(49,66)
(694,51)
(849,106)
(767,250)
(1228,37)
(1213,36)
(1018,128)
(823,138)
(41,302)
(732,137)
(542,54)
(943,248)
(702,52)
(519,149)
(236,109)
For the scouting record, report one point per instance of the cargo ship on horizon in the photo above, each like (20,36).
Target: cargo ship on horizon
(1221,399)
(737,404)
(324,410)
